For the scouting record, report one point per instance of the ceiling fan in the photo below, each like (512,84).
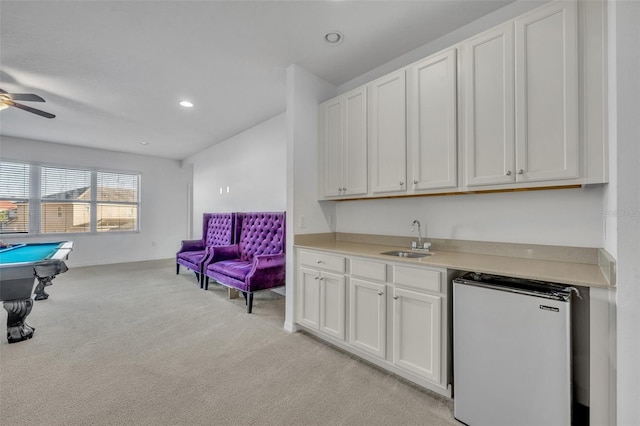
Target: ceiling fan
(7,100)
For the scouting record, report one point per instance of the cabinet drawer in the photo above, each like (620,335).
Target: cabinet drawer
(371,270)
(324,261)
(423,279)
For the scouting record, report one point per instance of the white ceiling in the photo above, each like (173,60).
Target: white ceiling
(113,71)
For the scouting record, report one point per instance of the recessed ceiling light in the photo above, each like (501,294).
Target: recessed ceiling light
(144,143)
(186,104)
(333,38)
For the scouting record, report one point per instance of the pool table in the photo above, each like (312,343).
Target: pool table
(20,266)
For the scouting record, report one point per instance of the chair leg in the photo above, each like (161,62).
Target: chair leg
(177,269)
(250,303)
(198,276)
(244,293)
(206,282)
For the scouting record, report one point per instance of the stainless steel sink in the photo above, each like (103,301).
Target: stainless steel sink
(408,254)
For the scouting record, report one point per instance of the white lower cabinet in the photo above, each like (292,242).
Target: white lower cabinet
(368,316)
(308,305)
(321,294)
(416,332)
(393,315)
(332,304)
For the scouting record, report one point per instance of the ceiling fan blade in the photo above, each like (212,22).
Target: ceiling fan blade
(25,97)
(29,109)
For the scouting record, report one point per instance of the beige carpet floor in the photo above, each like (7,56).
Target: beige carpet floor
(136,344)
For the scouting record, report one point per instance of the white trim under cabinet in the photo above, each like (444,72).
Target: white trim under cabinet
(397,315)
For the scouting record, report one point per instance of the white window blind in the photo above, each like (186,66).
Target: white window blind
(14,197)
(117,202)
(65,184)
(66,200)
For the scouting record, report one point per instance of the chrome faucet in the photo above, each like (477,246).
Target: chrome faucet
(418,245)
(413,228)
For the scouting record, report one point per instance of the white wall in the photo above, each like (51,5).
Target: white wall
(625,199)
(251,164)
(569,217)
(304,92)
(163,201)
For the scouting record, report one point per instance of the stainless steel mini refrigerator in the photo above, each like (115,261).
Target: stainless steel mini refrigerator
(511,351)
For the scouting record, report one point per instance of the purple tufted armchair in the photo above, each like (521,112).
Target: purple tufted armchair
(256,262)
(217,229)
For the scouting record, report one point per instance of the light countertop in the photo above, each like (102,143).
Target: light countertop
(562,272)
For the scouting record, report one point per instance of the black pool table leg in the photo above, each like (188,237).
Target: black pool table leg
(17,329)
(39,292)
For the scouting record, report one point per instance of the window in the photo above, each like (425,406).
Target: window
(14,197)
(65,200)
(117,202)
(66,191)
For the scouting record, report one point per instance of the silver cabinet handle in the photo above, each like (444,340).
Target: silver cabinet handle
(401,183)
(521,171)
(415,182)
(395,297)
(316,278)
(318,261)
(508,173)
(380,293)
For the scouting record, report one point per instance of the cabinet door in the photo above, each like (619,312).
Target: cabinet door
(332,305)
(417,333)
(309,298)
(387,133)
(489,108)
(331,148)
(547,94)
(432,122)
(368,316)
(354,149)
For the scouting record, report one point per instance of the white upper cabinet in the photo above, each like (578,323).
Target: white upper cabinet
(432,123)
(547,94)
(387,133)
(331,148)
(521,105)
(343,145)
(488,62)
(521,100)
